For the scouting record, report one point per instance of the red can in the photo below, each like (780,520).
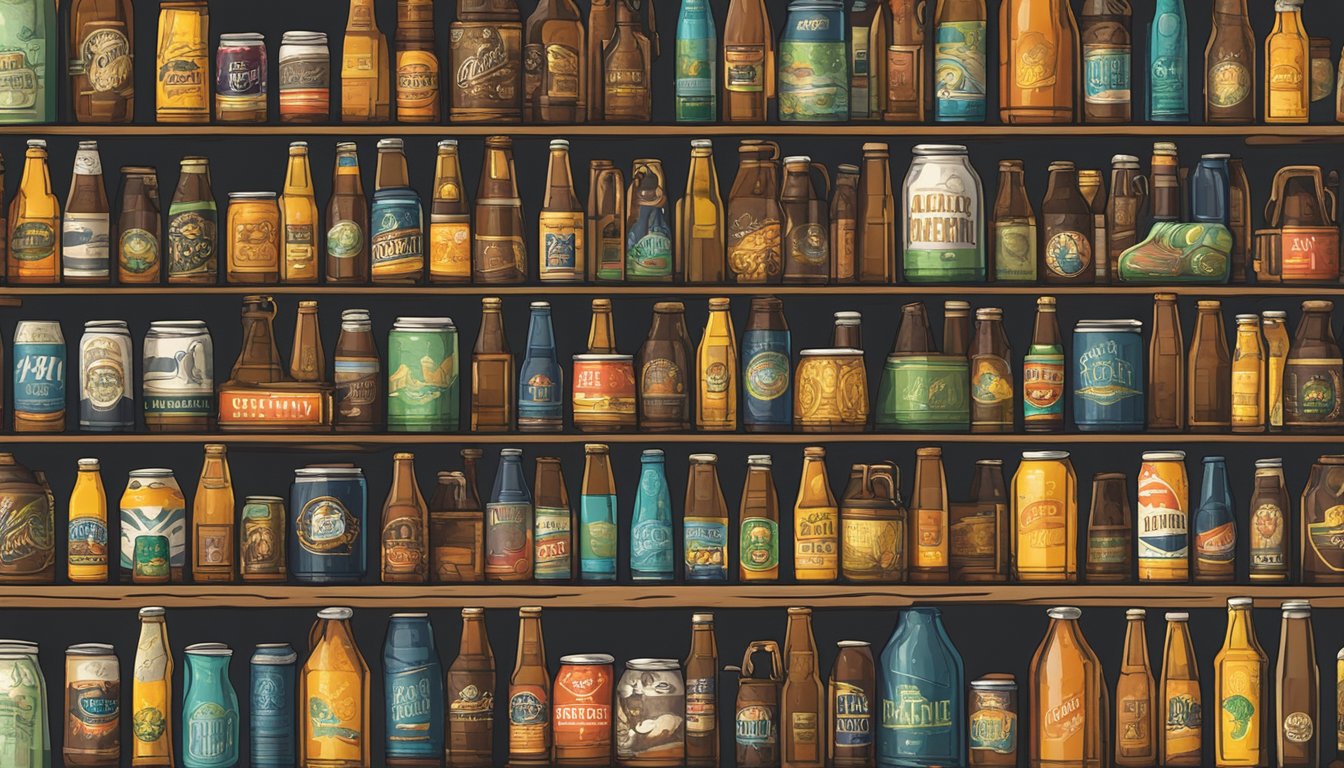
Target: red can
(581,715)
(604,393)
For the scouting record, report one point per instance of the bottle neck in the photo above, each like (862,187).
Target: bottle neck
(1240,631)
(601,334)
(35,173)
(404,488)
(474,640)
(1046,332)
(539,336)
(447,177)
(299,178)
(391,172)
(215,473)
(531,652)
(490,339)
(815,488)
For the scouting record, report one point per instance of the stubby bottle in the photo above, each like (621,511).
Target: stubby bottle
(664,366)
(802,712)
(471,695)
(1066,230)
(1110,530)
(1313,373)
(700,219)
(598,518)
(705,522)
(651,541)
(851,693)
(560,224)
(1229,65)
(1107,61)
(405,537)
(1297,695)
(529,705)
(87,221)
(347,220)
(1168,62)
(1179,698)
(922,688)
(492,375)
(1322,552)
(413,703)
(758,514)
(1070,706)
(541,382)
(1136,713)
(1215,535)
(716,371)
(553,523)
(1240,677)
(498,253)
(767,392)
(1012,244)
(509,522)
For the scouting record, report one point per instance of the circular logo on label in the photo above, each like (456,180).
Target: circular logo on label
(767,375)
(1229,83)
(32,241)
(1068,253)
(716,377)
(104,383)
(660,377)
(326,527)
(191,242)
(139,251)
(106,55)
(148,724)
(345,240)
(1297,727)
(809,244)
(1318,397)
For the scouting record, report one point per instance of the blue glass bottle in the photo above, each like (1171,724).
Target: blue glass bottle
(767,375)
(697,54)
(922,688)
(597,516)
(651,544)
(1210,186)
(541,383)
(271,716)
(412,692)
(1215,525)
(209,709)
(1168,50)
(509,522)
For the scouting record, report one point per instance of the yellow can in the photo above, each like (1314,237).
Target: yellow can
(1163,517)
(254,238)
(1045,518)
(183,62)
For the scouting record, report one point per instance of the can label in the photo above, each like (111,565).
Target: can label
(582,706)
(597,537)
(179,376)
(105,400)
(39,376)
(993,725)
(410,707)
(263,538)
(1163,524)
(813,70)
(943,223)
(334,730)
(540,396)
(853,716)
(1106,75)
(325,527)
(706,545)
(397,245)
(551,538)
(759,547)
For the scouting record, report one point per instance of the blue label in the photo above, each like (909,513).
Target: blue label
(39,378)
(959,72)
(526,708)
(706,543)
(1106,74)
(272,715)
(651,548)
(1108,389)
(398,232)
(410,709)
(767,396)
(853,716)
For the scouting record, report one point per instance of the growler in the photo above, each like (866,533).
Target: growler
(1301,243)
(992,390)
(554,78)
(907,95)
(471,696)
(1137,717)
(492,375)
(605,223)
(664,366)
(1269,523)
(449,220)
(1107,61)
(844,223)
(1313,371)
(802,715)
(1297,701)
(754,217)
(1179,697)
(816,521)
(498,252)
(1070,720)
(648,233)
(1209,383)
(1240,678)
(1248,376)
(366,90)
(700,220)
(298,217)
(756,718)
(850,694)
(627,62)
(139,227)
(359,385)
(1066,230)
(1043,372)
(347,220)
(87,221)
(806,245)
(1166,367)
(560,223)
(927,546)
(1229,66)
(1322,551)
(417,65)
(529,705)
(758,515)
(34,223)
(1110,530)
(749,62)
(1287,68)
(405,526)
(102,61)
(1012,244)
(872,526)
(716,371)
(1038,55)
(876,243)
(702,694)
(193,226)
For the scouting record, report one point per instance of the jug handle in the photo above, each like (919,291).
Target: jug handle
(1141,186)
(774,150)
(1331,197)
(921,8)
(825,178)
(1272,204)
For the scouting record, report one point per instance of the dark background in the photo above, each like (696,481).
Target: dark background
(990,637)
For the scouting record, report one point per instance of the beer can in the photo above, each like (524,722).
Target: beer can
(413,685)
(813,64)
(178,368)
(1108,392)
(253,246)
(153,509)
(397,237)
(23,706)
(92,706)
(305,77)
(581,717)
(272,697)
(604,393)
(330,509)
(651,714)
(1045,504)
(106,401)
(830,392)
(263,537)
(993,721)
(851,693)
(39,376)
(422,379)
(240,81)
(1163,517)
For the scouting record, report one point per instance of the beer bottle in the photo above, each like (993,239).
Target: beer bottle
(1287,68)
(192,226)
(34,219)
(627,61)
(816,522)
(530,695)
(1269,516)
(907,96)
(456,533)
(1297,700)
(492,374)
(848,330)
(1013,245)
(928,544)
(359,385)
(1067,686)
(605,222)
(802,714)
(152,692)
(1128,195)
(498,253)
(601,26)
(1322,553)
(471,696)
(470,456)
(366,92)
(850,693)
(334,668)
(979,531)
(405,526)
(844,223)
(1038,55)
(806,245)
(1180,698)
(87,221)
(1107,61)
(212,532)
(991,374)
(1165,181)
(956,328)
(1166,367)
(648,234)
(486,57)
(298,214)
(663,363)
(748,62)
(1210,372)
(1168,98)
(554,82)
(1312,372)
(959,59)
(308,361)
(923,694)
(1239,678)
(348,220)
(86,541)
(755,221)
(417,63)
(697,49)
(705,523)
(702,692)
(651,524)
(396,242)
(1110,530)
(552,536)
(876,245)
(601,329)
(560,224)
(598,517)
(449,220)
(1043,372)
(1248,376)
(716,371)
(541,385)
(1239,218)
(1094,192)
(182,85)
(102,54)
(869,30)
(1136,714)
(700,219)
(1066,229)
(758,546)
(1215,536)
(767,392)
(139,226)
(509,522)
(1229,66)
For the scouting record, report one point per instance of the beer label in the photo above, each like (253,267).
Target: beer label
(759,545)
(930,538)
(582,704)
(470,700)
(403,540)
(487,63)
(853,725)
(183,65)
(345,240)
(1183,719)
(1239,711)
(534,58)
(1298,727)
(239,72)
(765,376)
(508,533)
(649,245)
(1106,74)
(1063,719)
(993,726)
(1248,392)
(105,399)
(803,730)
(597,536)
(561,244)
(1309,253)
(1015,251)
(300,251)
(1163,524)
(1068,253)
(325,527)
(662,389)
(813,72)
(808,244)
(94,695)
(943,225)
(959,60)
(991,381)
(192,237)
(1167,76)
(815,540)
(1311,391)
(905,75)
(540,397)
(212,546)
(501,258)
(411,706)
(706,548)
(1043,385)
(1326,537)
(1286,84)
(86,542)
(1215,533)
(753,246)
(139,251)
(104,58)
(611,252)
(921,716)
(397,243)
(39,377)
(696,55)
(1132,722)
(871,548)
(651,547)
(211,733)
(1229,82)
(716,376)
(603,390)
(1037,59)
(32,240)
(1041,524)
(417,82)
(263,539)
(1107,377)
(529,720)
(85,245)
(22,78)
(1106,549)
(356,382)
(702,716)
(560,80)
(754,727)
(1268,547)
(744,68)
(449,248)
(334,711)
(551,540)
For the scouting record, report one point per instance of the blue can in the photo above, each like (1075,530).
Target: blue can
(210,722)
(413,691)
(814,63)
(767,376)
(397,242)
(1210,186)
(1108,392)
(330,508)
(272,711)
(39,376)
(541,383)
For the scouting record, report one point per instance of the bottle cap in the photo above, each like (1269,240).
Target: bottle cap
(1240,602)
(1067,613)
(1135,613)
(1272,463)
(1045,455)
(1178,616)
(340,614)
(1164,456)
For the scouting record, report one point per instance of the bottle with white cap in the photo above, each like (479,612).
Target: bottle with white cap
(1240,674)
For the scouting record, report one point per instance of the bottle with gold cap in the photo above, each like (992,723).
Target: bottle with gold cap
(298,216)
(716,368)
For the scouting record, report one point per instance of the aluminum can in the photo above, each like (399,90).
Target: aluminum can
(273,691)
(993,721)
(39,376)
(397,239)
(651,714)
(263,538)
(305,78)
(106,399)
(178,369)
(1108,390)
(153,509)
(604,393)
(814,63)
(253,244)
(92,706)
(330,509)
(422,378)
(23,707)
(1045,508)
(581,700)
(240,79)
(1163,517)
(413,692)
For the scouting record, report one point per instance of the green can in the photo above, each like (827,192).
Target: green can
(151,559)
(422,380)
(925,393)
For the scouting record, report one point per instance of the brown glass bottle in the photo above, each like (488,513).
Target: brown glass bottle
(193,238)
(844,224)
(554,82)
(1165,182)
(1013,238)
(876,244)
(499,254)
(471,696)
(980,532)
(1110,530)
(1270,515)
(358,379)
(914,335)
(308,358)
(554,557)
(87,220)
(417,65)
(1093,189)
(456,533)
(1313,372)
(1138,720)
(449,220)
(802,718)
(627,63)
(957,328)
(1239,218)
(530,692)
(848,330)
(405,526)
(1066,230)
(928,543)
(605,222)
(1166,367)
(1322,553)
(347,220)
(807,243)
(992,389)
(1107,61)
(492,373)
(601,329)
(1297,692)
(907,95)
(601,26)
(1209,369)
(755,220)
(560,224)
(702,674)
(758,515)
(748,62)
(664,365)
(1127,198)
(102,61)
(139,227)
(1229,66)
(851,692)
(486,62)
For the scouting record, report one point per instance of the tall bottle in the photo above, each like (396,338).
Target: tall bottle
(509,522)
(1269,522)
(529,705)
(366,89)
(1297,691)
(991,374)
(492,374)
(1240,674)
(875,247)
(498,253)
(648,233)
(922,688)
(758,516)
(553,524)
(702,674)
(664,365)
(1107,61)
(1229,65)
(1070,706)
(700,219)
(705,524)
(807,241)
(696,65)
(748,62)
(405,532)
(1166,367)
(1168,63)
(1127,196)
(1287,66)
(1248,376)
(560,224)
(1136,712)
(928,543)
(1013,230)
(716,371)
(334,682)
(1038,62)
(396,242)
(1209,370)
(1313,372)
(1274,324)
(755,221)
(1043,372)
(213,541)
(627,61)
(347,220)
(86,540)
(34,222)
(1179,697)
(1215,526)
(298,217)
(152,692)
(102,56)
(816,522)
(802,710)
(417,65)
(767,386)
(87,223)
(601,26)
(651,541)
(959,59)
(907,94)
(471,695)
(1066,230)
(413,701)
(598,516)
(541,383)
(486,59)
(193,226)
(449,220)
(554,82)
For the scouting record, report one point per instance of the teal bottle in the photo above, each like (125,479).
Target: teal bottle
(209,709)
(697,54)
(597,516)
(28,54)
(1168,64)
(1215,525)
(922,688)
(651,544)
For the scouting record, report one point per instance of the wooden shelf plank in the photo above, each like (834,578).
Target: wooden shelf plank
(651,596)
(9,293)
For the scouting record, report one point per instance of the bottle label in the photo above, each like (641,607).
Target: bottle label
(959,60)
(1239,710)
(1286,82)
(853,725)
(1183,717)
(872,548)
(397,243)
(649,245)
(335,728)
(1163,524)
(508,534)
(534,56)
(211,734)
(1068,253)
(662,390)
(139,251)
(87,541)
(345,240)
(766,375)
(1311,391)
(213,546)
(471,700)
(808,244)
(991,381)
(529,718)
(701,705)
(561,79)
(597,537)
(32,241)
(1229,83)
(930,538)
(417,81)
(744,68)
(540,396)
(85,245)
(449,248)
(696,56)
(410,707)
(1043,385)
(651,548)
(1268,548)
(754,247)
(1215,534)
(551,538)
(943,225)
(1036,63)
(816,540)
(104,59)
(706,548)
(1064,716)
(1132,723)
(921,715)
(813,71)
(766,378)
(562,242)
(356,388)
(1106,549)
(1015,252)
(804,730)
(993,726)
(1327,538)
(1106,74)
(754,727)
(759,547)
(1248,391)
(192,237)
(404,541)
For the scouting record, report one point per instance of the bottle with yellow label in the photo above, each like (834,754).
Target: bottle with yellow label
(1248,376)
(417,64)
(1240,671)
(816,522)
(1045,518)
(1287,66)
(716,368)
(35,222)
(86,548)
(449,220)
(183,63)
(298,215)
(334,696)
(366,93)
(152,694)
(1180,707)
(560,224)
(929,529)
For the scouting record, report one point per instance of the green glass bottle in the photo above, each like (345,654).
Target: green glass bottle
(28,53)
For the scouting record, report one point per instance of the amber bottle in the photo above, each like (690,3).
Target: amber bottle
(1209,369)
(499,254)
(1066,230)
(555,81)
(662,367)
(1166,367)
(405,538)
(1038,62)
(102,61)
(748,62)
(928,543)
(492,373)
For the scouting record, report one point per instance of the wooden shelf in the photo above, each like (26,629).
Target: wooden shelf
(647,596)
